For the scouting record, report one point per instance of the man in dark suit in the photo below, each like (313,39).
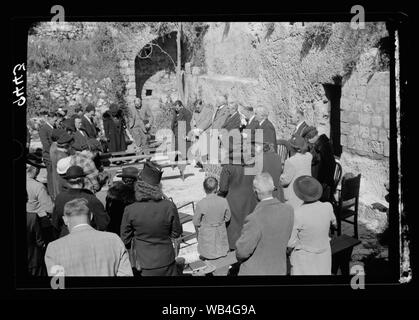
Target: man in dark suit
(269,133)
(80,136)
(234,121)
(251,127)
(75,178)
(87,123)
(45,133)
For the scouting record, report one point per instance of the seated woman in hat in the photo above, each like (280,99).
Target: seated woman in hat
(149,225)
(311,254)
(299,164)
(119,195)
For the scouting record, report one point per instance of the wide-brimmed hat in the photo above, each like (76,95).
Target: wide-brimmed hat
(129,172)
(63,165)
(307,188)
(297,142)
(151,173)
(74,172)
(35,160)
(64,138)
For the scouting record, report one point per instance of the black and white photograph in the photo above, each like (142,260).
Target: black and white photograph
(211,150)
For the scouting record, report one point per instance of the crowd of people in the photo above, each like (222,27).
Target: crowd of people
(280,213)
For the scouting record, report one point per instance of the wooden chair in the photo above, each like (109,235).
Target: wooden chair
(347,204)
(283,150)
(184,218)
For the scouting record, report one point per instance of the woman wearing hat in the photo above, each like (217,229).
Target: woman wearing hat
(299,164)
(114,126)
(310,241)
(119,195)
(149,225)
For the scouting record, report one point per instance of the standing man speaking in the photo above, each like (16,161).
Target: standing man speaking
(140,123)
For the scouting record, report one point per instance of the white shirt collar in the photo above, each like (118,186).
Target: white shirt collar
(79,225)
(85,115)
(251,119)
(269,198)
(262,121)
(49,124)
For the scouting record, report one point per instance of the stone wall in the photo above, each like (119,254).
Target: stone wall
(283,75)
(365,109)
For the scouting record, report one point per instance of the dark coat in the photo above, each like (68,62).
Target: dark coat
(272,165)
(183,115)
(269,133)
(262,245)
(252,126)
(238,189)
(100,218)
(323,163)
(89,128)
(115,131)
(151,225)
(233,122)
(119,196)
(35,245)
(45,136)
(80,139)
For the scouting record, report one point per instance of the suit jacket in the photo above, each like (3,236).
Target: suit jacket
(232,122)
(263,242)
(100,219)
(203,120)
(269,133)
(151,226)
(323,163)
(183,115)
(45,135)
(79,138)
(89,128)
(35,244)
(88,252)
(220,117)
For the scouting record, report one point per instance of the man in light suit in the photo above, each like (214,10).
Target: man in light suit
(141,122)
(262,246)
(86,251)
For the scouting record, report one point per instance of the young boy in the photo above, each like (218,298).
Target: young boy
(211,215)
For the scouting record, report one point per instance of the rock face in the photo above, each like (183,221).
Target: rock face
(64,89)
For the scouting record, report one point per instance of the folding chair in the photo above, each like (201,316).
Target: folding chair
(184,218)
(347,204)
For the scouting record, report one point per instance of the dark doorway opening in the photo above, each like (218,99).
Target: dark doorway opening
(333,93)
